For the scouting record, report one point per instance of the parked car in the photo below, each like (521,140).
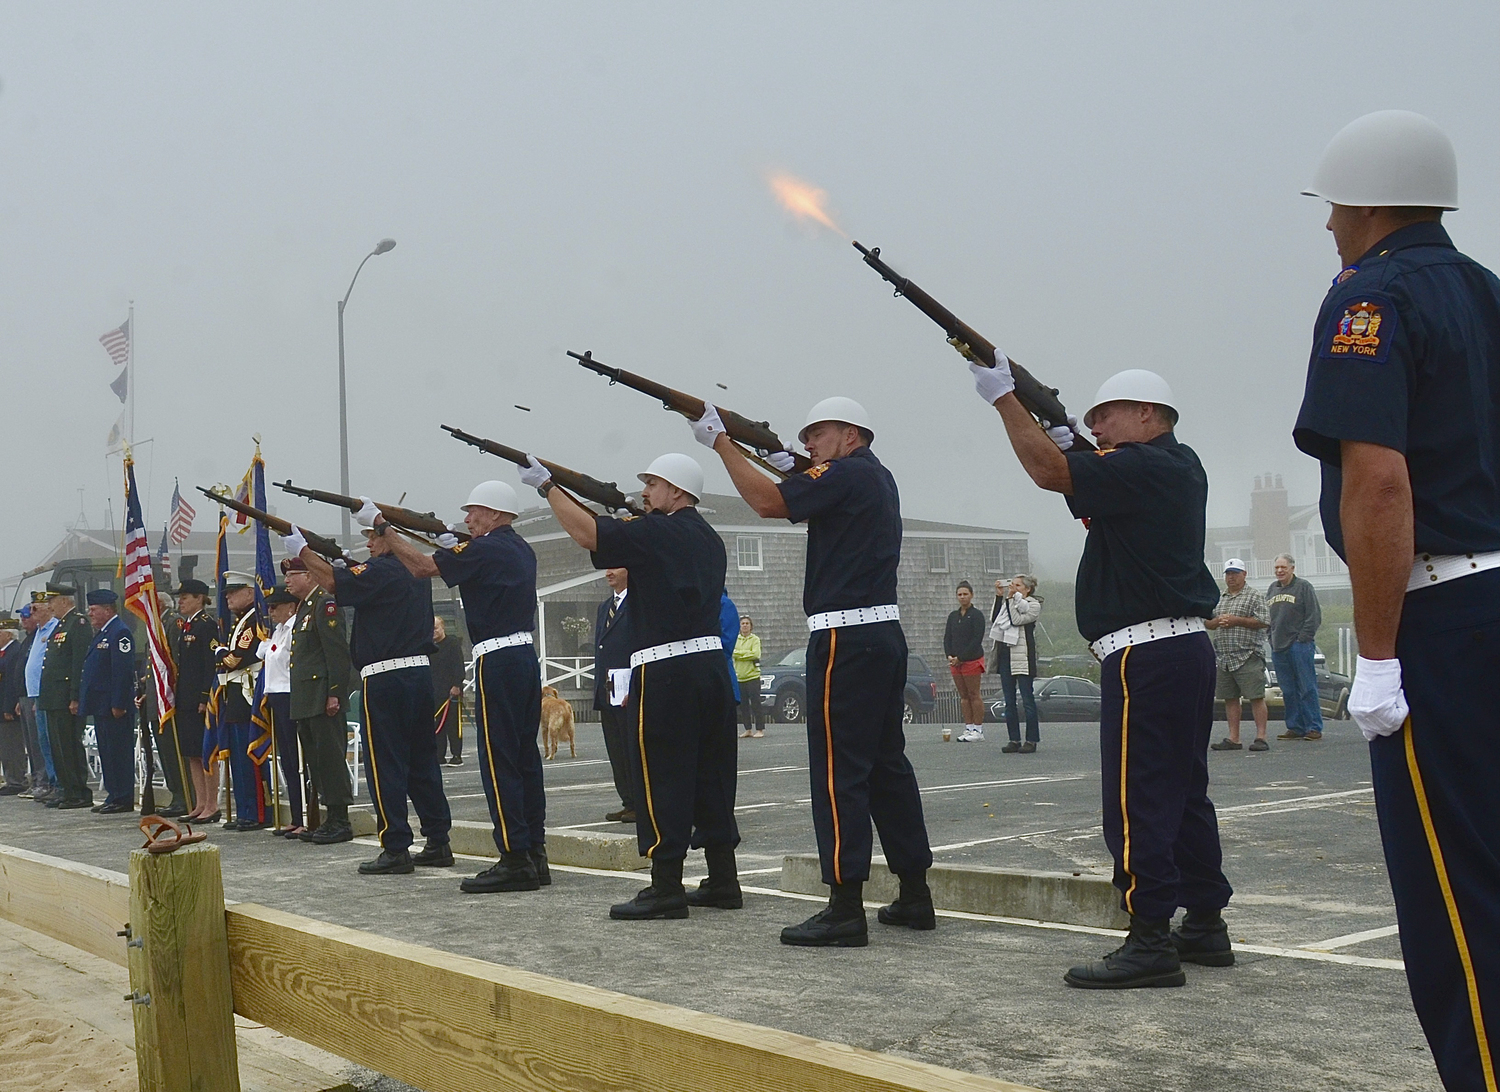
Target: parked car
(1333,693)
(1058,698)
(783,688)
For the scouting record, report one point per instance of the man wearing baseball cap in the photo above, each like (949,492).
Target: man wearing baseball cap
(61,690)
(108,695)
(1237,630)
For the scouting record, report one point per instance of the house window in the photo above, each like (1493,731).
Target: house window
(748,549)
(994,557)
(937,557)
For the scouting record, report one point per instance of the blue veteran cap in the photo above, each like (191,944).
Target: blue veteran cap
(102,597)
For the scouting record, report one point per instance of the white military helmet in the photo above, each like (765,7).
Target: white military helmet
(1388,158)
(838,408)
(1132,385)
(682,471)
(493,494)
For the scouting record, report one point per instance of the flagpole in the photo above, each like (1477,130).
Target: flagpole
(130,378)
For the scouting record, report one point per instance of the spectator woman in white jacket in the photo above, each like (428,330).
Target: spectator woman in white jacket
(1013,626)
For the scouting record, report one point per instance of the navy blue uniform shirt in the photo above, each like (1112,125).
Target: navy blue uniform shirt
(109,671)
(392,610)
(676,565)
(853,516)
(496,577)
(1143,558)
(1406,354)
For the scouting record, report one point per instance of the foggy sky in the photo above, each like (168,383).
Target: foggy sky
(1092,186)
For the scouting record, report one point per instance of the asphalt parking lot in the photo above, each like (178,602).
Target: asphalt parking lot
(1317,1001)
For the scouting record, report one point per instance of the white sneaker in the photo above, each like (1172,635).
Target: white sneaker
(972,735)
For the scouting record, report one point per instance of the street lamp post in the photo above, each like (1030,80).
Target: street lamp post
(380,248)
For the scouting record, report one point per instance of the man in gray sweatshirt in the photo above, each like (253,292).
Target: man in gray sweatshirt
(1295,618)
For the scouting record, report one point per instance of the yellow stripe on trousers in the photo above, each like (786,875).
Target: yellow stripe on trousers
(640,728)
(364,704)
(833,803)
(489,750)
(1482,1038)
(1124,765)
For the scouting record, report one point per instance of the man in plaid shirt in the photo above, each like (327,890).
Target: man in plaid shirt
(1240,647)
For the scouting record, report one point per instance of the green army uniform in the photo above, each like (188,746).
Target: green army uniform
(62,678)
(320,670)
(168,756)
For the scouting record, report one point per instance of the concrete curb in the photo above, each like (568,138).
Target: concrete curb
(1009,893)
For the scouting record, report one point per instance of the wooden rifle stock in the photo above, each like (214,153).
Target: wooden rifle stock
(605,494)
(756,435)
(325,546)
(423,523)
(1040,401)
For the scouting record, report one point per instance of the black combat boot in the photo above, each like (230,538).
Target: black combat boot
(1147,958)
(434,855)
(721,888)
(332,831)
(389,863)
(839,925)
(1203,938)
(512,872)
(663,899)
(913,906)
(539,862)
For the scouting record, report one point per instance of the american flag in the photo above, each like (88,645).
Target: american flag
(117,344)
(140,597)
(182,516)
(164,557)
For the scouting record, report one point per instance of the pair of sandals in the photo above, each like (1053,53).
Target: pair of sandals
(163,835)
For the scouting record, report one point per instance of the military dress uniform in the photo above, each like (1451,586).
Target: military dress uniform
(239,665)
(613,644)
(856,681)
(681,706)
(495,574)
(391,644)
(62,681)
(1406,355)
(320,670)
(109,684)
(193,648)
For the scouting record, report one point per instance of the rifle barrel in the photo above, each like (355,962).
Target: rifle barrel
(606,494)
(424,523)
(325,546)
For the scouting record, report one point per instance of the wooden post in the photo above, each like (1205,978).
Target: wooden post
(178,955)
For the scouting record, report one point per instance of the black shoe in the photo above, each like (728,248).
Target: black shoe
(97,808)
(831,927)
(389,863)
(1203,938)
(1028,748)
(1147,958)
(175,811)
(335,830)
(115,809)
(721,888)
(69,805)
(213,817)
(619,816)
(438,855)
(1011,748)
(247,824)
(912,908)
(12,790)
(512,872)
(456,760)
(649,903)
(539,862)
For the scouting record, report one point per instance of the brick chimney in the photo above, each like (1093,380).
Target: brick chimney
(1270,525)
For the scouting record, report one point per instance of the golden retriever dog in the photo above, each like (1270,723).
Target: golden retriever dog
(557,723)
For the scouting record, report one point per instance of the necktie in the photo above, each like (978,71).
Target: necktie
(610,617)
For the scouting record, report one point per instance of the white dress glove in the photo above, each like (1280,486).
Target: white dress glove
(782,461)
(1062,435)
(534,473)
(365,517)
(708,428)
(1375,701)
(994,383)
(294,543)
(447,541)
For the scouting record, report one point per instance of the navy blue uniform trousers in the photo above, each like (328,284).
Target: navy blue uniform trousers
(856,748)
(682,755)
(115,739)
(402,752)
(1154,721)
(509,711)
(245,775)
(1435,793)
(286,751)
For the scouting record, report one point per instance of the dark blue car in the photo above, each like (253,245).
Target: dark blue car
(783,688)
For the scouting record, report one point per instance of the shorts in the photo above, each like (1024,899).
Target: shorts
(968,667)
(1247,681)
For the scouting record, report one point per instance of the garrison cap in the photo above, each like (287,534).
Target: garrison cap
(102,597)
(280,595)
(62,589)
(193,586)
(232,580)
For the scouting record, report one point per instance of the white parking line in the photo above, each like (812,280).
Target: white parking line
(1352,938)
(991,841)
(1296,803)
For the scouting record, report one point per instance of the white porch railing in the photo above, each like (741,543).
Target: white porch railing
(568,672)
(1312,566)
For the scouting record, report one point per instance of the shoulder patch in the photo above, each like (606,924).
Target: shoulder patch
(356,570)
(125,643)
(1362,329)
(330,608)
(1345,274)
(247,637)
(816,472)
(460,548)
